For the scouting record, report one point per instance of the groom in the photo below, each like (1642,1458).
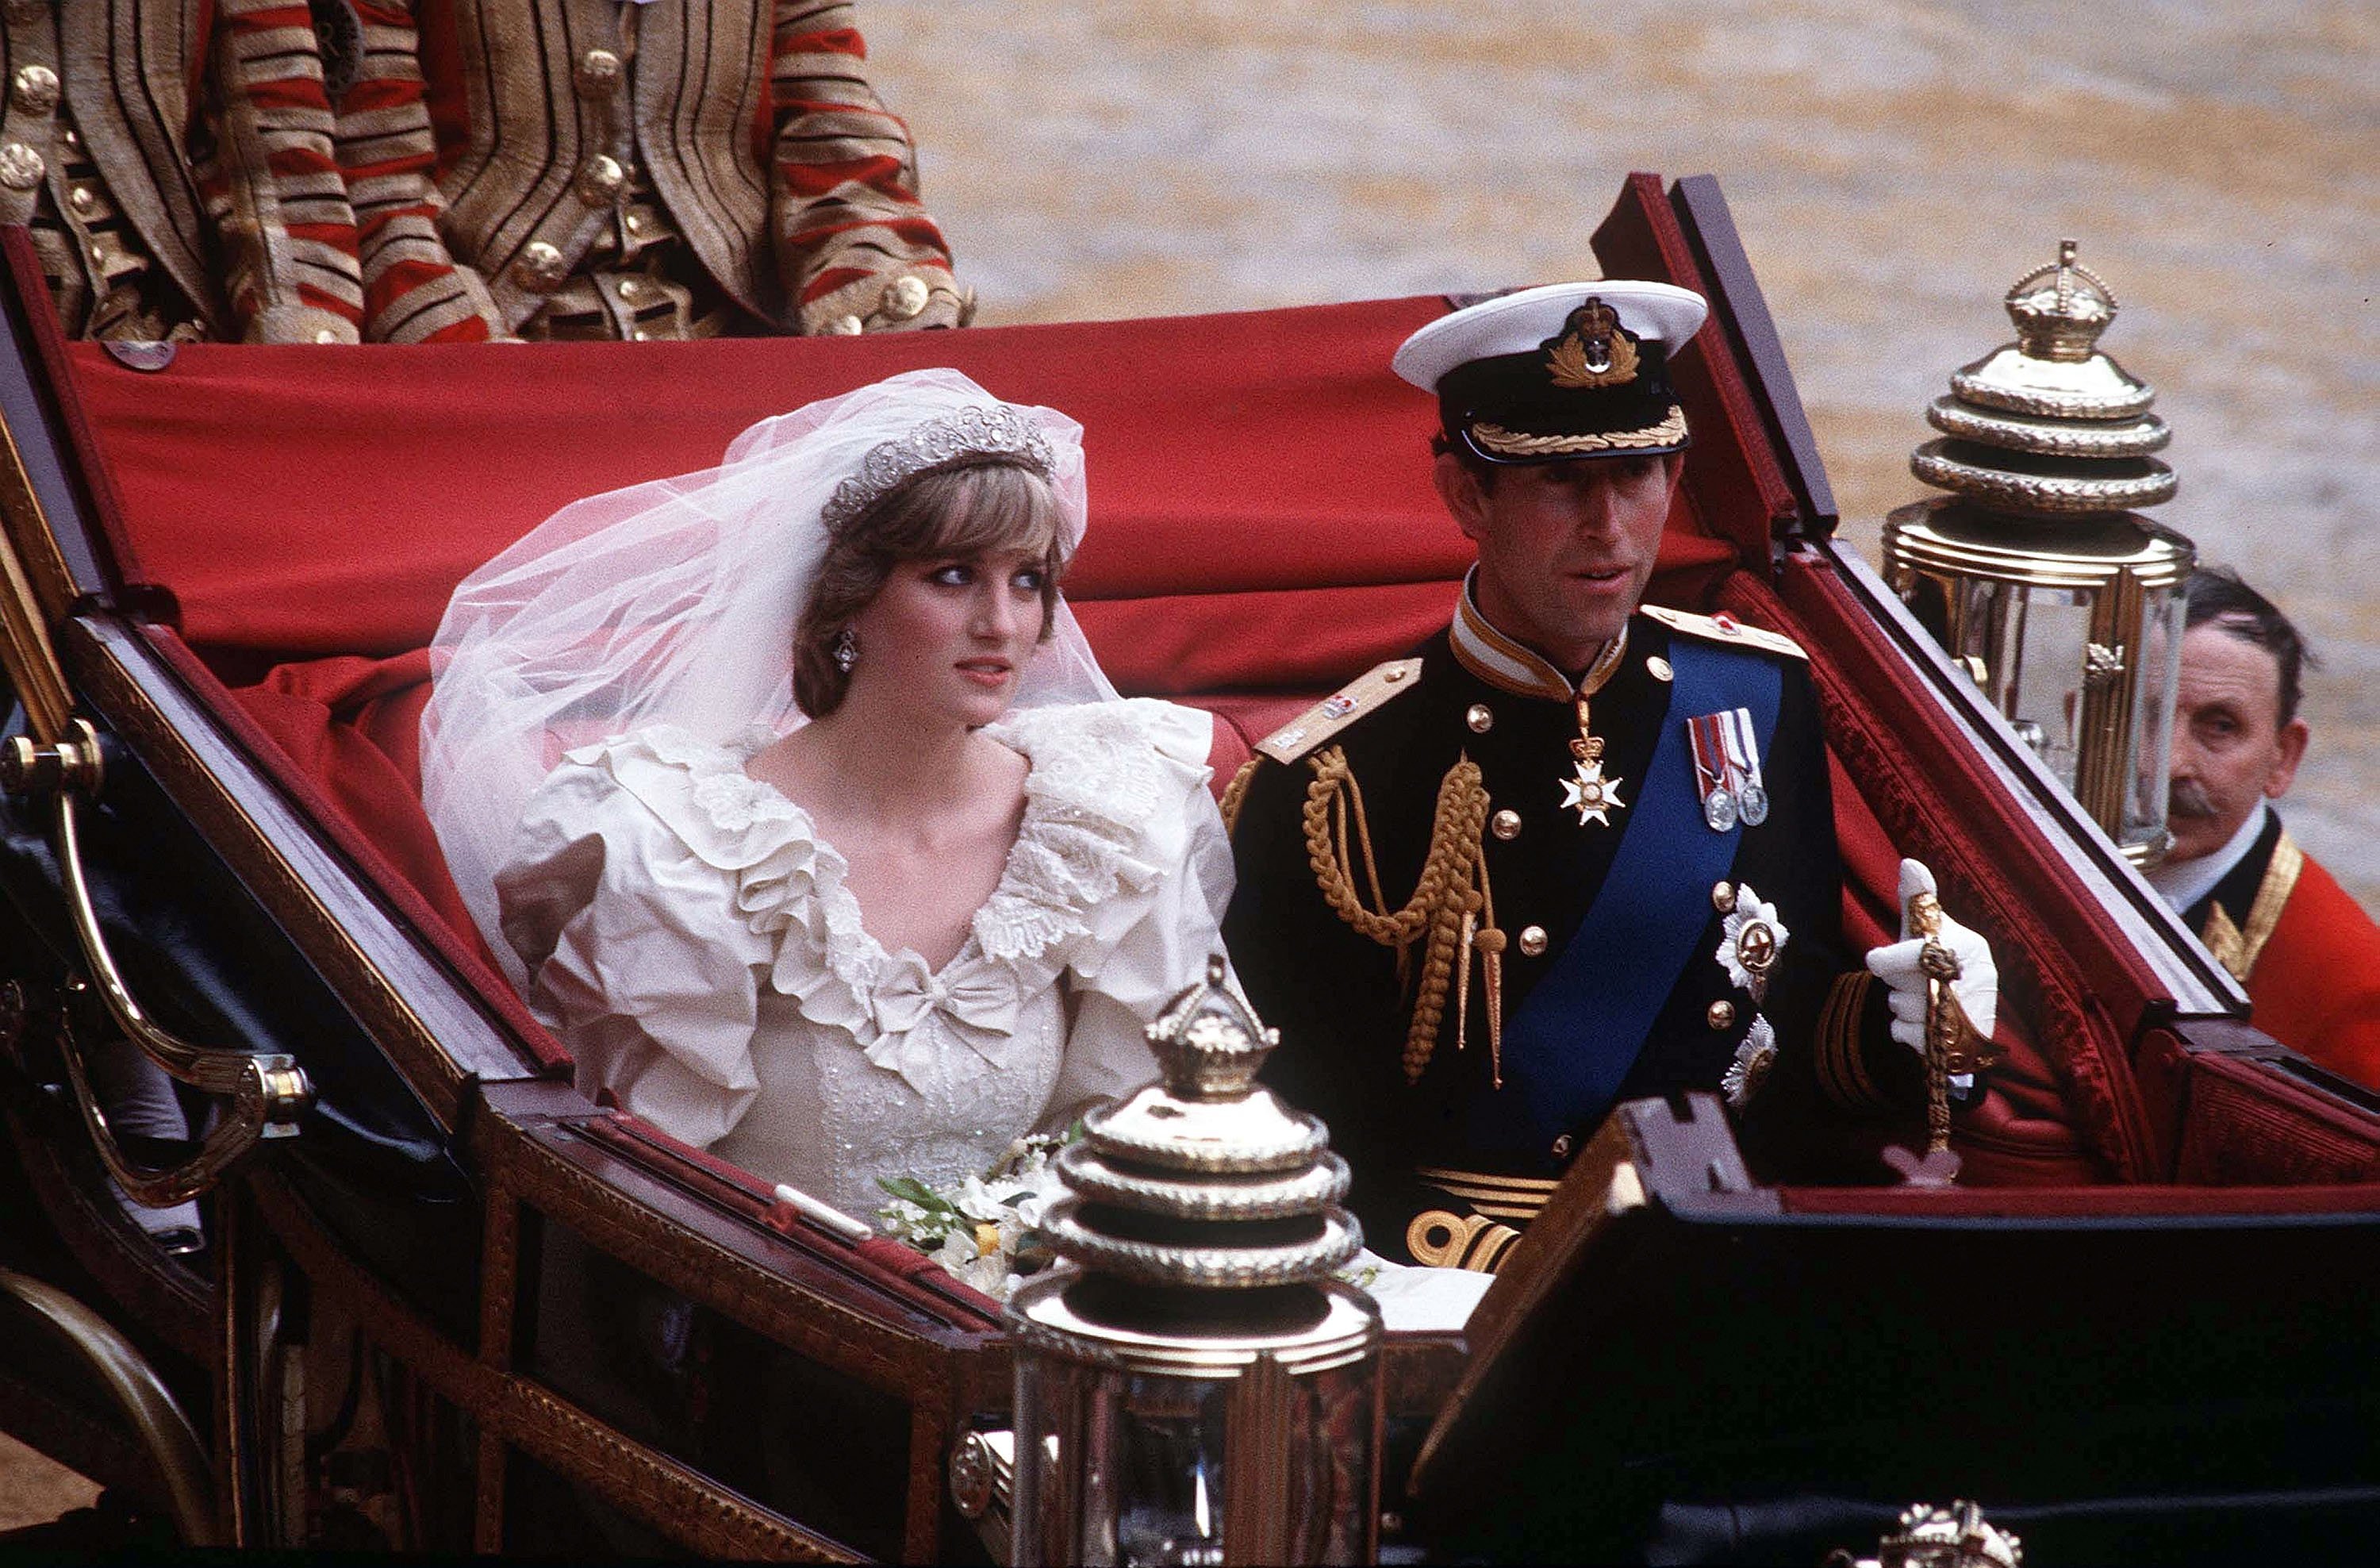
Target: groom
(1576,849)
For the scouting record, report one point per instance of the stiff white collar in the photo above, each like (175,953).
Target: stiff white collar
(2184,883)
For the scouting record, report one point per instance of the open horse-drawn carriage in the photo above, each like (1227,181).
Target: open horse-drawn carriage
(446,1302)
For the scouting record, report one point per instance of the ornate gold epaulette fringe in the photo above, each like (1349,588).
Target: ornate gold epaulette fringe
(1365,694)
(1724,630)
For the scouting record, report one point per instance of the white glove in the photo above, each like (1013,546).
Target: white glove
(1977,987)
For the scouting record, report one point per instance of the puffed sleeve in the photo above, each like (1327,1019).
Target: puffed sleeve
(1147,945)
(636,957)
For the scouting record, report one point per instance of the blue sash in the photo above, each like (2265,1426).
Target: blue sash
(1569,1048)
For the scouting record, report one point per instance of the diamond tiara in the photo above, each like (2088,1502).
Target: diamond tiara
(998,429)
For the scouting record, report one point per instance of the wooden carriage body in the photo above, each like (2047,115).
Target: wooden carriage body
(230,562)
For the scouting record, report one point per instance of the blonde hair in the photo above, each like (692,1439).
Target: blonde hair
(976,506)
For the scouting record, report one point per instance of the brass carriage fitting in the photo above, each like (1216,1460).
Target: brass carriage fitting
(27,767)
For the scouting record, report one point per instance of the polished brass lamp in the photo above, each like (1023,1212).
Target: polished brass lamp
(2036,571)
(1197,1388)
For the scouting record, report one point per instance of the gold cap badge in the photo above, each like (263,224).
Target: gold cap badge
(1593,351)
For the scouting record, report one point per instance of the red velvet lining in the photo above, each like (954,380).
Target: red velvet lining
(341,779)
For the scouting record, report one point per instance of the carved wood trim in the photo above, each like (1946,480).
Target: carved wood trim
(681,1502)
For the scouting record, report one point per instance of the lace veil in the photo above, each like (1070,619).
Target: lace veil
(675,601)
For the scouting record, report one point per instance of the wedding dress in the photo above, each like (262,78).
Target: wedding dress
(692,938)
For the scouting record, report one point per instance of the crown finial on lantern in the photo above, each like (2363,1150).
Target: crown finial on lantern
(1209,1044)
(2061,310)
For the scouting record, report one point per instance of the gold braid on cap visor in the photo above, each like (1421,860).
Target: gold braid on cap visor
(1671,430)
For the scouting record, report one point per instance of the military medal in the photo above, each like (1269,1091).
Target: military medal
(1726,769)
(1594,796)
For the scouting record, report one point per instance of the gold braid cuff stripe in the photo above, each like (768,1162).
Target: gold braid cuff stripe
(1509,443)
(1438,1238)
(1516,1199)
(1843,1072)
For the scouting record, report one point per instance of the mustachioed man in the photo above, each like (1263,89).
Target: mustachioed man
(1575,849)
(593,169)
(173,161)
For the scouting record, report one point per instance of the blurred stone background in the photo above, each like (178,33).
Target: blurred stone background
(1893,166)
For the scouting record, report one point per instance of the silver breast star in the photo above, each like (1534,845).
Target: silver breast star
(1594,795)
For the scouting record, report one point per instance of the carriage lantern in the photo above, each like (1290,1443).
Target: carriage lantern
(2063,603)
(1195,1387)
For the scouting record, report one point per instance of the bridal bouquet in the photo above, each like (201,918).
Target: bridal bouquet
(987,1230)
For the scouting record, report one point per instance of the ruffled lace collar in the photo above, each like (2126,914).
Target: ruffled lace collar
(1092,795)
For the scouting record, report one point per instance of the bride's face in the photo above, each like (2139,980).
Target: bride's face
(947,637)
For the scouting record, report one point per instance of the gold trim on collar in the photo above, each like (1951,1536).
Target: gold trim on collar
(1511,666)
(2280,880)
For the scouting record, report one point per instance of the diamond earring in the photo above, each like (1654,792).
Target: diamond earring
(846,650)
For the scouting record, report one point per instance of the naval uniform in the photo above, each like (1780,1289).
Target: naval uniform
(1605,979)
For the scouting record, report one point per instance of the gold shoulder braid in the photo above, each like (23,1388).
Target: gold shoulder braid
(1451,903)
(1236,794)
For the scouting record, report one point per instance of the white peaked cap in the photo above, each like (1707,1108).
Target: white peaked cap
(1519,323)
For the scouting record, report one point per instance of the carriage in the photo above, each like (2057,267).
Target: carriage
(446,1302)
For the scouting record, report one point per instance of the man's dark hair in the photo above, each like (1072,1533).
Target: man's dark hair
(1440,443)
(2217,594)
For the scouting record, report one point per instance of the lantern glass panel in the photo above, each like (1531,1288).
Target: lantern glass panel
(2157,670)
(1134,1467)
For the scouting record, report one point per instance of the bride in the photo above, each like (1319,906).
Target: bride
(793,797)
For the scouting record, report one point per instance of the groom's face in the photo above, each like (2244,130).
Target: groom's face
(1565,549)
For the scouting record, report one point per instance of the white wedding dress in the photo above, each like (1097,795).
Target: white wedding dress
(690,936)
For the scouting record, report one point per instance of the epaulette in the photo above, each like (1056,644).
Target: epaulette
(1724,627)
(1365,694)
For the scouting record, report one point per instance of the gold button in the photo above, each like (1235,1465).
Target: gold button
(21,167)
(597,73)
(601,180)
(846,326)
(72,138)
(1562,1146)
(326,335)
(631,288)
(1721,1013)
(1505,824)
(1533,940)
(36,89)
(633,224)
(1660,668)
(81,200)
(98,254)
(904,298)
(1479,718)
(541,267)
(1393,676)
(1723,897)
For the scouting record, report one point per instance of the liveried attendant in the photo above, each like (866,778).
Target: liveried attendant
(1576,849)
(591,170)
